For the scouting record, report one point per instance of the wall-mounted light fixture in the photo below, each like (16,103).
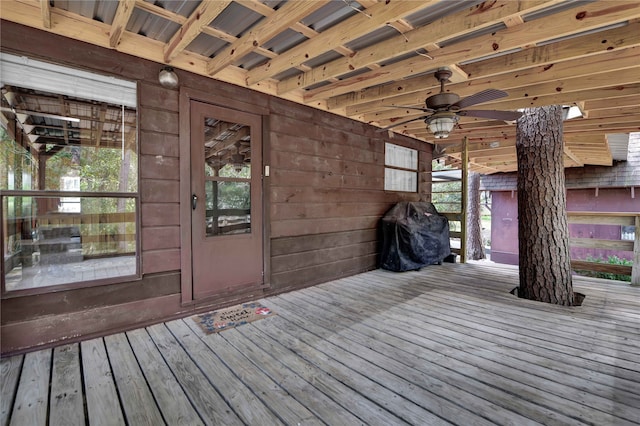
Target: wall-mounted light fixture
(168,78)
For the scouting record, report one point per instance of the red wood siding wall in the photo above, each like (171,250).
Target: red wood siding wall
(324,199)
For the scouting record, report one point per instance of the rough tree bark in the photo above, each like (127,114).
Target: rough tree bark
(475,245)
(543,232)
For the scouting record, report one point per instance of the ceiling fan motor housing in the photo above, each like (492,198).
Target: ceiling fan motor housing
(441,100)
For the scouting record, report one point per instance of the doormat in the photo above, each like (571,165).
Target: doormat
(233,316)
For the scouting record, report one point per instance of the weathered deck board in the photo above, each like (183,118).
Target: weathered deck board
(288,409)
(137,401)
(505,373)
(249,408)
(66,402)
(174,404)
(31,402)
(9,375)
(444,345)
(209,404)
(324,395)
(103,405)
(432,370)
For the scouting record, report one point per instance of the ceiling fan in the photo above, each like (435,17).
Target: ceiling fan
(445,108)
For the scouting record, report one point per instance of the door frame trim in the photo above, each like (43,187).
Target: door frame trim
(187,95)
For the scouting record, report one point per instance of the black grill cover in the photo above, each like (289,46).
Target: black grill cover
(413,235)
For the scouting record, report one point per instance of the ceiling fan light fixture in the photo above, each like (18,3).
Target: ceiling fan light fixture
(237,162)
(441,124)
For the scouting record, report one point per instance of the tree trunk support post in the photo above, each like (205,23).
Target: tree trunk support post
(543,230)
(463,201)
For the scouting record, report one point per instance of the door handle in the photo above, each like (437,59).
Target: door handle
(194,201)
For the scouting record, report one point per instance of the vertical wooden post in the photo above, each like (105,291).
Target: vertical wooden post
(463,202)
(635,268)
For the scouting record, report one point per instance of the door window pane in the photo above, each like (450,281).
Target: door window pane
(228,207)
(227,173)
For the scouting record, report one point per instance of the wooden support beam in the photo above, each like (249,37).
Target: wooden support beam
(501,41)
(45,10)
(424,37)
(352,28)
(268,28)
(206,12)
(120,20)
(569,59)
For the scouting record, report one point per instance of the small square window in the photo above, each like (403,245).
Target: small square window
(401,168)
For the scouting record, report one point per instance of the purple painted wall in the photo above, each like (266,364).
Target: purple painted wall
(504,221)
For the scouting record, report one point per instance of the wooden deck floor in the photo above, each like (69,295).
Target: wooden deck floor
(445,345)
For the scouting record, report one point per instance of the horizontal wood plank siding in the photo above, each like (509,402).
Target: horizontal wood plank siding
(324,197)
(327,185)
(63,302)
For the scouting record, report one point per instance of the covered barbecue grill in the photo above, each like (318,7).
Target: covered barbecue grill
(414,235)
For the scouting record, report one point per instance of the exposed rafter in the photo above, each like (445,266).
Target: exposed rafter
(361,59)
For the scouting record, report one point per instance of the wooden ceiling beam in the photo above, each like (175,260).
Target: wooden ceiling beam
(206,12)
(350,29)
(45,13)
(556,99)
(448,27)
(616,103)
(602,113)
(268,28)
(559,99)
(594,15)
(97,33)
(574,157)
(160,12)
(565,59)
(119,25)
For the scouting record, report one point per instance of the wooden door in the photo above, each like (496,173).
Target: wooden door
(226,215)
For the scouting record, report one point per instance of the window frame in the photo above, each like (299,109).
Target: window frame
(134,196)
(409,167)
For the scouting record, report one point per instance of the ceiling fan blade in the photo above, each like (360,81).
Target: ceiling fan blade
(492,114)
(401,122)
(478,98)
(410,107)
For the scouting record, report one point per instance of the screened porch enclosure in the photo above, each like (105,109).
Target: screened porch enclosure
(68,175)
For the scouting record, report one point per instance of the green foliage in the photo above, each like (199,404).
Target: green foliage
(446,196)
(612,260)
(14,157)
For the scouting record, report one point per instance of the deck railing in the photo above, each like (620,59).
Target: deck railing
(593,218)
(608,218)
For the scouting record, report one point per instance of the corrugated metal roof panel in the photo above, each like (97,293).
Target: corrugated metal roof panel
(286,74)
(559,7)
(372,38)
(206,45)
(473,34)
(156,27)
(252,60)
(332,13)
(437,11)
(323,59)
(236,20)
(284,41)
